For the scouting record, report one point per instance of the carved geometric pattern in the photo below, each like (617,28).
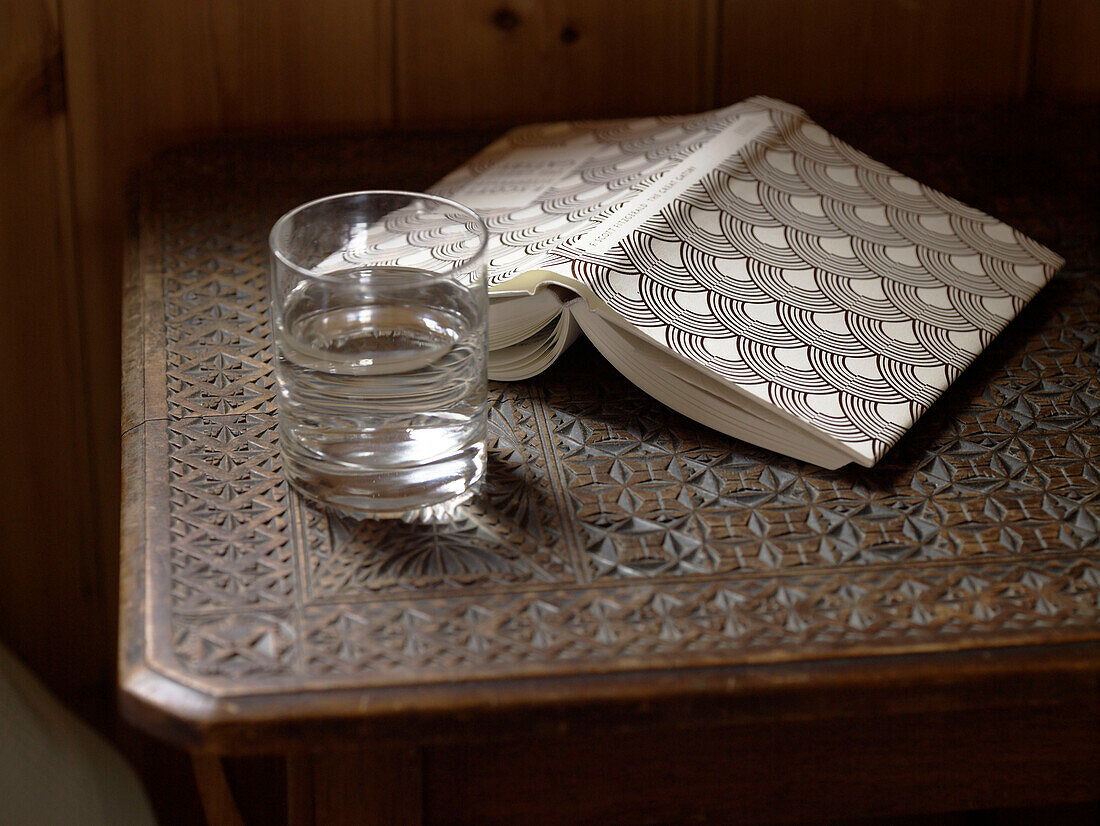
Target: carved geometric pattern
(665,505)
(237,646)
(507,535)
(218,330)
(228,523)
(818,613)
(610,532)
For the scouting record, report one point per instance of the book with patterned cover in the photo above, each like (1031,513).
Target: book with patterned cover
(746,268)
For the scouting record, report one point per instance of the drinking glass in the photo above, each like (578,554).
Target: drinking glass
(380,318)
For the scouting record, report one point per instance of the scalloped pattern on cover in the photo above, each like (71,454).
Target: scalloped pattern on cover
(844,294)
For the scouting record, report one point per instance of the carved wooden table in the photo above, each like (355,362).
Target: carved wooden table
(639,620)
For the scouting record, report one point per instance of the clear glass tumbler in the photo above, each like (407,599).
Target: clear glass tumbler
(380,317)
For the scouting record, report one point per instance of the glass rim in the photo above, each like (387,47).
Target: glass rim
(466,263)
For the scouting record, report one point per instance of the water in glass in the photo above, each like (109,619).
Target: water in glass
(382,389)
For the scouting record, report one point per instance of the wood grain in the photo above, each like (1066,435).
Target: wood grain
(217,798)
(758,773)
(489,61)
(53,608)
(1067,37)
(376,785)
(862,53)
(164,70)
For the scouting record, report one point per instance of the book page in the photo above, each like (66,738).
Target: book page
(658,193)
(541,185)
(522,177)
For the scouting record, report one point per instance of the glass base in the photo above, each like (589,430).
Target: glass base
(361,497)
(445,511)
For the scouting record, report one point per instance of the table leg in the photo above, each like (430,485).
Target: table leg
(217,797)
(362,787)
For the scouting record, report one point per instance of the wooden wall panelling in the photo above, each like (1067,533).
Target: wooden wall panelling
(508,61)
(52,609)
(165,70)
(1067,40)
(861,53)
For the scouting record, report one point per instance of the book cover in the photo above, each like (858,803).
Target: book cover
(745,267)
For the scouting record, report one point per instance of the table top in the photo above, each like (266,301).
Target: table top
(620,560)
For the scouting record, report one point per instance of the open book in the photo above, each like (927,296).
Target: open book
(746,268)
